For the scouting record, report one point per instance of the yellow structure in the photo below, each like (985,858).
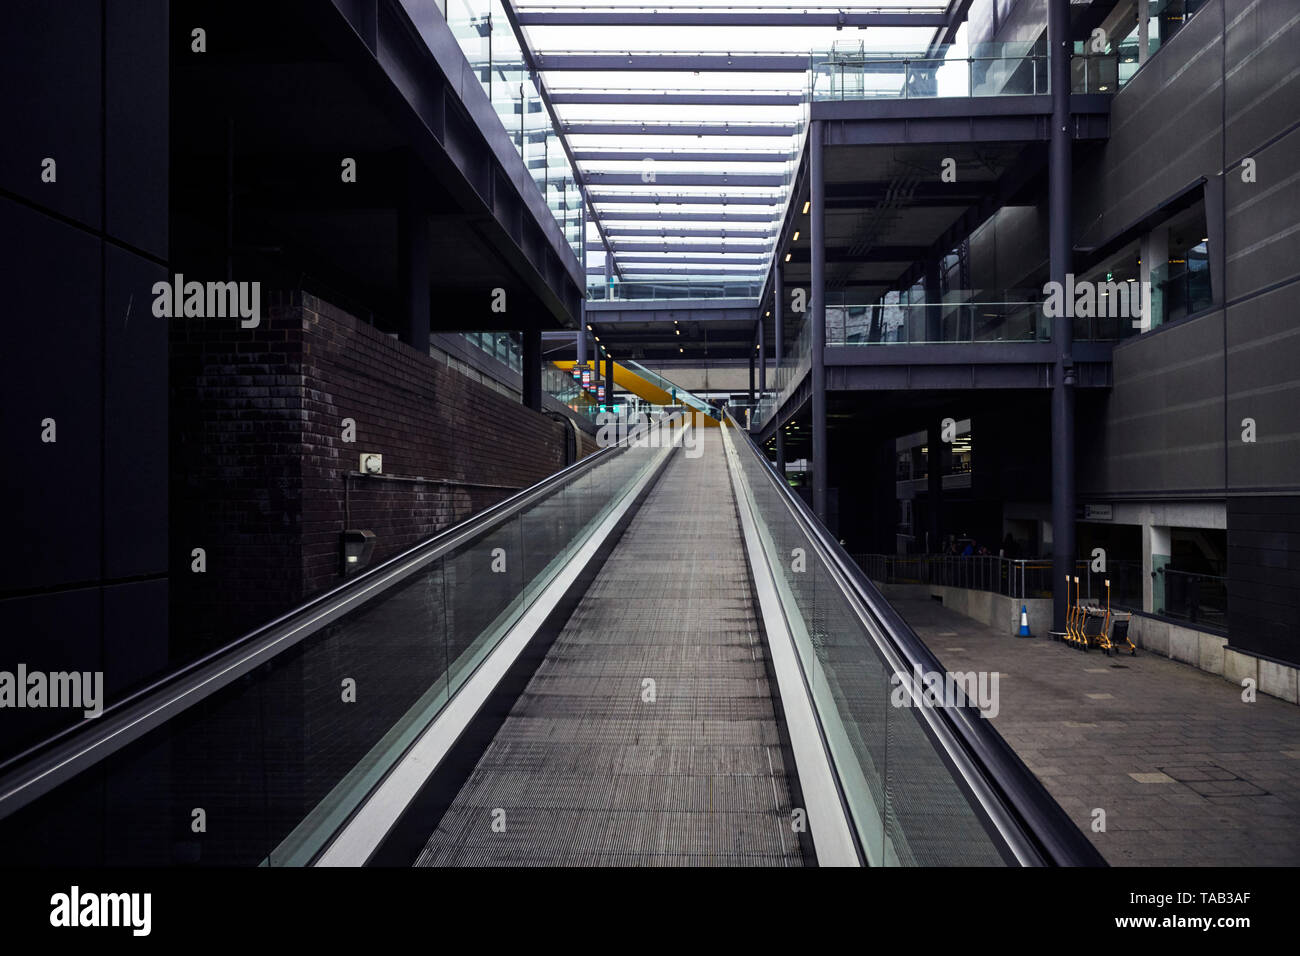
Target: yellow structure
(639,386)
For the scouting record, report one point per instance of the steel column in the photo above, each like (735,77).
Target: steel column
(1060,240)
(934,466)
(413,242)
(778,317)
(817,240)
(532,371)
(933,300)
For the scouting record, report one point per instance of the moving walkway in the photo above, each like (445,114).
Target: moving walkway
(655,656)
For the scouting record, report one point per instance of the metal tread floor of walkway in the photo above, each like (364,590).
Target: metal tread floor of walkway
(590,768)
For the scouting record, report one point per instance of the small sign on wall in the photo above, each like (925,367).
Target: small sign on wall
(1098,513)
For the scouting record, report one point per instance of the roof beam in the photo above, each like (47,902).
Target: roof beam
(622,247)
(589,128)
(588,17)
(667,199)
(643,98)
(665,231)
(688,255)
(700,271)
(598,178)
(873,254)
(687,217)
(675,62)
(682,156)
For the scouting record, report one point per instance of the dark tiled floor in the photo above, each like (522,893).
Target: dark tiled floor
(1186,772)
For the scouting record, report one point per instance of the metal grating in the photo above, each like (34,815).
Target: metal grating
(590,774)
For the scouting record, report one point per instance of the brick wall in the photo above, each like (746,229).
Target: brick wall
(426,420)
(260,461)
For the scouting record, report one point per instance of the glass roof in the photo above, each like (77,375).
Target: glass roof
(688,187)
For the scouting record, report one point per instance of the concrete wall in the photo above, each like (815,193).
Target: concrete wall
(1212,654)
(992,610)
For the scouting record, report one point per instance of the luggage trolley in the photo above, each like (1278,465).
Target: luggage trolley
(1094,625)
(1074,617)
(1114,637)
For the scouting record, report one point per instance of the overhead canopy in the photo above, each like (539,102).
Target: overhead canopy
(687,118)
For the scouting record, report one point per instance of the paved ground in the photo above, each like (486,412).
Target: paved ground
(1186,773)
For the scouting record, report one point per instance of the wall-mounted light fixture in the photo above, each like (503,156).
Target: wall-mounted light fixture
(355,547)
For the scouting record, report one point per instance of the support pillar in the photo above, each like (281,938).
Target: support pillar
(1154,252)
(1216,232)
(751,379)
(1060,250)
(532,371)
(933,302)
(609,381)
(817,240)
(778,346)
(778,339)
(935,465)
(762,357)
(1144,30)
(580,352)
(413,248)
(1156,548)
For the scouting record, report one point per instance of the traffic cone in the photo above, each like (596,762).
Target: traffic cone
(1024,622)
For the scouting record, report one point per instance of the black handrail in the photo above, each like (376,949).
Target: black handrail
(34,771)
(1027,806)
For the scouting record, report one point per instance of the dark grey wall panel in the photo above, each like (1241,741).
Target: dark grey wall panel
(136,131)
(135,634)
(1263,384)
(47,632)
(1263,84)
(1165,132)
(1264,575)
(50,368)
(1162,425)
(135,420)
(1008,248)
(1263,225)
(50,59)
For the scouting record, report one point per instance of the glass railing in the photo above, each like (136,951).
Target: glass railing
(483,30)
(567,390)
(1194,597)
(1179,289)
(679,395)
(926,780)
(633,287)
(258,753)
(502,346)
(1166,17)
(943,322)
(1003,69)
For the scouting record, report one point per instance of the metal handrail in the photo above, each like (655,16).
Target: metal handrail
(1038,831)
(36,770)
